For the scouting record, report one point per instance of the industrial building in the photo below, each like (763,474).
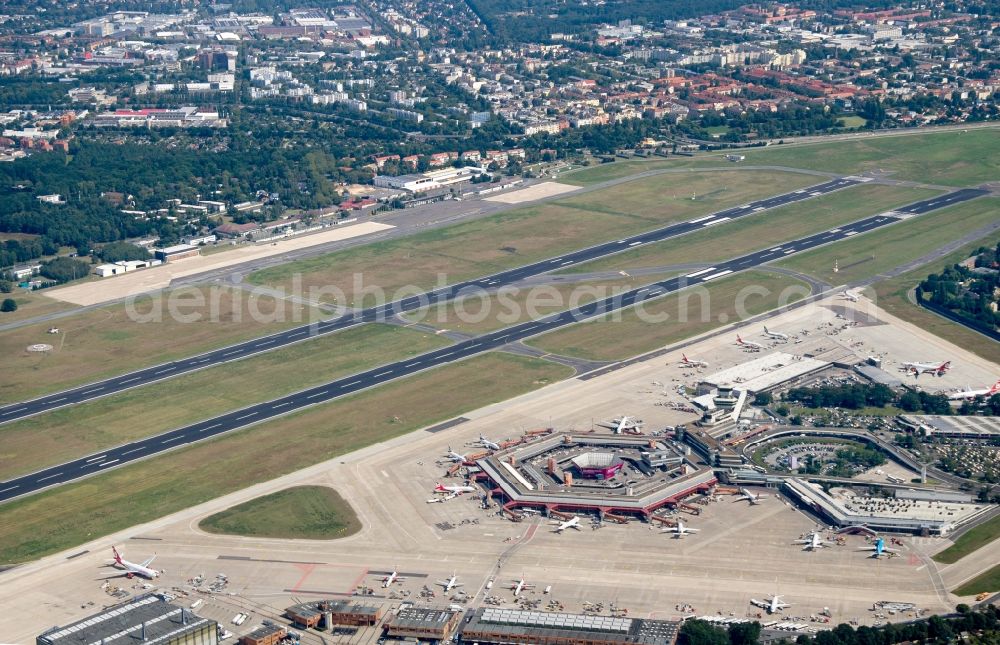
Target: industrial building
(423,623)
(496,625)
(762,374)
(964,427)
(269,634)
(427,181)
(148,619)
(176,252)
(907,514)
(330,613)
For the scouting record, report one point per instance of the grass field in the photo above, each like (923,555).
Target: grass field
(865,256)
(523,235)
(68,433)
(689,313)
(753,232)
(951,158)
(511,306)
(104,342)
(989,581)
(145,491)
(31,304)
(298,513)
(891,296)
(973,539)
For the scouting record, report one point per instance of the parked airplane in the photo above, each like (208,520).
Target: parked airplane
(454,488)
(679,530)
(391,578)
(879,549)
(773,604)
(454,456)
(132,569)
(486,443)
(450,583)
(848,295)
(813,542)
(750,496)
(687,362)
(572,523)
(971,394)
(775,335)
(520,585)
(442,499)
(927,368)
(748,344)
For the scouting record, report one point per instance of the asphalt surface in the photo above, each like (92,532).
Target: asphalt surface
(338,388)
(385,312)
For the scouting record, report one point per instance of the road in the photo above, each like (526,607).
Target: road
(347,385)
(385,312)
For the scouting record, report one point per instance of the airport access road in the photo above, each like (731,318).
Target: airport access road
(260,412)
(385,312)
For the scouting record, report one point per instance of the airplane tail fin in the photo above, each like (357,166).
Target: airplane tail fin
(118,557)
(995,388)
(439,487)
(944,366)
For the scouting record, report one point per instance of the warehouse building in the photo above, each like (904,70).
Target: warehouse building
(269,634)
(329,613)
(176,252)
(423,623)
(148,619)
(496,625)
(964,427)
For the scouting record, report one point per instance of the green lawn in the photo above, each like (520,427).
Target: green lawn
(853,121)
(68,433)
(754,232)
(299,513)
(865,256)
(973,539)
(989,581)
(196,473)
(674,318)
(523,235)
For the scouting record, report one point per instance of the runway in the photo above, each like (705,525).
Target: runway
(120,455)
(145,376)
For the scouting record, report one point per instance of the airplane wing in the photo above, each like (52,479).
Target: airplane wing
(759,603)
(687,530)
(149,561)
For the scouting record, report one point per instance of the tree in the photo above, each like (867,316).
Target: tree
(763,398)
(744,633)
(9,305)
(6,286)
(65,269)
(120,251)
(698,632)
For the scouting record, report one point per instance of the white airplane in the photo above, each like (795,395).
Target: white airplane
(520,585)
(971,394)
(687,362)
(749,344)
(774,334)
(454,456)
(927,368)
(486,443)
(879,549)
(750,496)
(679,530)
(625,424)
(848,295)
(813,542)
(454,488)
(450,583)
(442,499)
(772,605)
(572,523)
(391,578)
(132,569)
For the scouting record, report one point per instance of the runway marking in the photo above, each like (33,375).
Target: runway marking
(164,370)
(266,342)
(96,458)
(717,275)
(313,396)
(567,262)
(93,390)
(299,333)
(9,488)
(700,219)
(171,439)
(49,477)
(134,378)
(382,373)
(131,451)
(235,351)
(850,233)
(13,411)
(58,400)
(351,383)
(698,273)
(107,463)
(246,416)
(412,364)
(718,221)
(216,425)
(635,243)
(281,405)
(443,355)
(385,474)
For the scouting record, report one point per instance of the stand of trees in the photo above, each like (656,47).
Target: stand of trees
(859,395)
(968,293)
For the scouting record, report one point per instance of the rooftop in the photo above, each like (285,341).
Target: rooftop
(148,617)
